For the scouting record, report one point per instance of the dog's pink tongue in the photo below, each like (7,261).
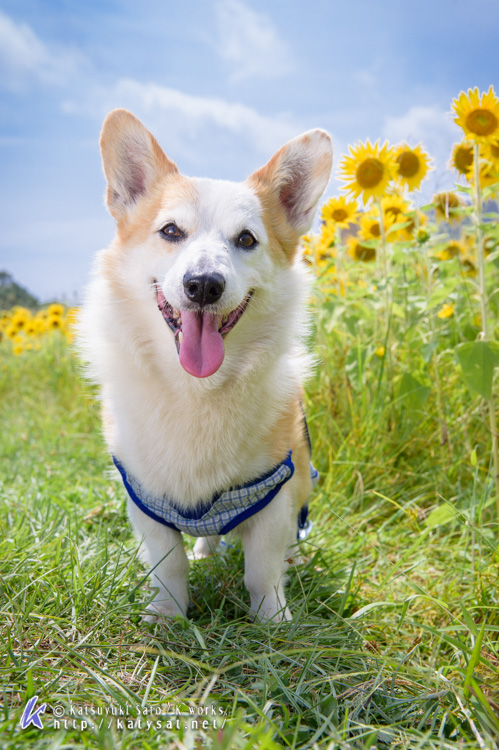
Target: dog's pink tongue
(202,348)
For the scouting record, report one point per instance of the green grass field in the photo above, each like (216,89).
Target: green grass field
(394,637)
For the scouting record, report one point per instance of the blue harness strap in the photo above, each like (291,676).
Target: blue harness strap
(222,514)
(224,511)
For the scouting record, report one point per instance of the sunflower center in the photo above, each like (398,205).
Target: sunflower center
(339,214)
(375,230)
(481,121)
(369,173)
(408,163)
(361,252)
(463,159)
(453,249)
(447,201)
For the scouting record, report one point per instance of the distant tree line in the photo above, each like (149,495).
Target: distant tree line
(12,294)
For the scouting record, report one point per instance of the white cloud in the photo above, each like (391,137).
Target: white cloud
(23,56)
(189,124)
(249,42)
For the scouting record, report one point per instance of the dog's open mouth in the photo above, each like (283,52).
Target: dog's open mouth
(199,335)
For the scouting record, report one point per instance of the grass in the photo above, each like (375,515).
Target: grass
(393,642)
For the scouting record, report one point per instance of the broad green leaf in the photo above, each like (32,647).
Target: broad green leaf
(413,391)
(443,291)
(428,349)
(477,360)
(440,516)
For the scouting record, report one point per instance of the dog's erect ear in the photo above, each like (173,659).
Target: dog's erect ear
(292,182)
(133,161)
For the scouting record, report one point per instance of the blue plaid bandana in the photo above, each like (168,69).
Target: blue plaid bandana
(225,511)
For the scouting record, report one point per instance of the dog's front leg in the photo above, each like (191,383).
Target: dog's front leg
(266,538)
(206,546)
(166,556)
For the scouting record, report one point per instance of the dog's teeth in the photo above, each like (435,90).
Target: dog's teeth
(180,337)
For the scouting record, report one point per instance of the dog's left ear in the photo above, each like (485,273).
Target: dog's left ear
(291,183)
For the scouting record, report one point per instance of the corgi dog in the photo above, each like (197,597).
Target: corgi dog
(194,327)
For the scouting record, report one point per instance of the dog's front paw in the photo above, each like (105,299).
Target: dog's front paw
(159,611)
(269,609)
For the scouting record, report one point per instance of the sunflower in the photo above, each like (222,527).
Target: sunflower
(55,309)
(11,331)
(488,173)
(395,206)
(20,317)
(477,115)
(462,157)
(327,239)
(340,211)
(447,206)
(358,251)
(41,324)
(368,169)
(469,266)
(54,322)
(318,250)
(453,249)
(412,165)
(370,228)
(492,152)
(446,311)
(31,327)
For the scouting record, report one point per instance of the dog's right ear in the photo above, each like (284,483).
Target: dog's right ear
(132,159)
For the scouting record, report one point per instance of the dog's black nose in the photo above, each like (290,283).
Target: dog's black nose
(205,289)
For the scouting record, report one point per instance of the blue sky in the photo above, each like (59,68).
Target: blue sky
(222,84)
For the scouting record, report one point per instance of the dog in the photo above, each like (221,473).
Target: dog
(194,326)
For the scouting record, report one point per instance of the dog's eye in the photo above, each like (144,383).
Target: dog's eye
(171,232)
(246,240)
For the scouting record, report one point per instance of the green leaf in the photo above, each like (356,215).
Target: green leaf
(428,349)
(354,365)
(443,291)
(478,360)
(412,391)
(440,516)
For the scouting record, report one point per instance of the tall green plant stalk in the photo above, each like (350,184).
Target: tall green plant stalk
(444,432)
(484,313)
(388,304)
(384,254)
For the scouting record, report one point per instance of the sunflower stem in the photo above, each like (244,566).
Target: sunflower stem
(384,259)
(485,334)
(445,437)
(384,254)
(383,241)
